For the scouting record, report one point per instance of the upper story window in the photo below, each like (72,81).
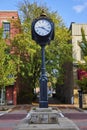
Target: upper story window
(6,29)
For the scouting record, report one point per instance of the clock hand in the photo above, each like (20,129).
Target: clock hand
(44,29)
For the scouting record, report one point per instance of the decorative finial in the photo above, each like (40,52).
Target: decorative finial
(43,13)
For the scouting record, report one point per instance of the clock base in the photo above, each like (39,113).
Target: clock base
(43,104)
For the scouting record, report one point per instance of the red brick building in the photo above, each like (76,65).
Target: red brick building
(7,18)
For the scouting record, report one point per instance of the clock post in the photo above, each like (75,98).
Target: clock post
(43,103)
(43,32)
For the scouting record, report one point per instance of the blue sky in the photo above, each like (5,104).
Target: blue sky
(69,10)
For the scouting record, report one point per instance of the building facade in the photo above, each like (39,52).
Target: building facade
(7,18)
(76,53)
(68,92)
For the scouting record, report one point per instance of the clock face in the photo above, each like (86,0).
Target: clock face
(42,27)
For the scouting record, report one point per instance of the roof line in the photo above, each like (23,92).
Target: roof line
(8,11)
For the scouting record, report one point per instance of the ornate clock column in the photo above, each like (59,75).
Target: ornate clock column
(43,103)
(43,32)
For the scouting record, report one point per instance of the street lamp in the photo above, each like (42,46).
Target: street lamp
(43,32)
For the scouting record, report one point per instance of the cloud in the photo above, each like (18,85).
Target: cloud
(80,8)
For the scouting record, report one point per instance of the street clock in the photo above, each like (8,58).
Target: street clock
(43,27)
(42,30)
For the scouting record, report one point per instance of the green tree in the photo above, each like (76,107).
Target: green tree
(28,52)
(7,64)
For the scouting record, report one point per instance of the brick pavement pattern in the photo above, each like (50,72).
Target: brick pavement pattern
(77,116)
(10,120)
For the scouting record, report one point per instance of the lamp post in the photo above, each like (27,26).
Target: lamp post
(80,98)
(43,32)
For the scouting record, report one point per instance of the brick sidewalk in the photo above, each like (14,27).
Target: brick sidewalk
(78,116)
(11,119)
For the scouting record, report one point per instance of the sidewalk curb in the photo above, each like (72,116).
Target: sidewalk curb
(81,110)
(5,112)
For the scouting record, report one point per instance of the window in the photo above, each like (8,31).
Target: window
(6,30)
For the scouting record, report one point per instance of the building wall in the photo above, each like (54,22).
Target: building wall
(77,37)
(76,52)
(11,17)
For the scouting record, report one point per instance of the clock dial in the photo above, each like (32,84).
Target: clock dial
(42,27)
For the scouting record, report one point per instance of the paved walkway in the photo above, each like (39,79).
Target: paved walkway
(78,116)
(11,119)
